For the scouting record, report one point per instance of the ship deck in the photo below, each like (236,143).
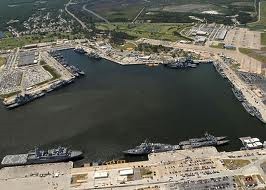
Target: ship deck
(15,159)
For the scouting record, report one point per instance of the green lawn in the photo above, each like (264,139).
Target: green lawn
(263,39)
(253,53)
(10,42)
(160,31)
(262,23)
(52,71)
(219,45)
(2,61)
(2,96)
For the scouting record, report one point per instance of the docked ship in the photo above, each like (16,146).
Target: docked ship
(24,99)
(238,94)
(80,50)
(93,55)
(181,63)
(207,140)
(39,156)
(147,148)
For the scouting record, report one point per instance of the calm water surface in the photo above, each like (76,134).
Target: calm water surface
(115,107)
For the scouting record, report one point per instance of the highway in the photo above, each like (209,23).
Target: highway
(138,15)
(95,14)
(72,15)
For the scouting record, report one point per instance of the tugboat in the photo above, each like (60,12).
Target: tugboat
(147,148)
(39,156)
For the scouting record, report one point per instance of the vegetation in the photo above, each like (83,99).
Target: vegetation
(21,10)
(218,45)
(235,164)
(153,48)
(9,95)
(172,11)
(256,54)
(42,62)
(52,71)
(118,38)
(2,61)
(263,39)
(261,24)
(160,31)
(10,43)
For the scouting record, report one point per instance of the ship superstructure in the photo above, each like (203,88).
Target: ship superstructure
(40,156)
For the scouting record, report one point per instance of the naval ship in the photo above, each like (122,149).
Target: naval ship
(39,156)
(80,50)
(181,63)
(147,148)
(23,99)
(207,140)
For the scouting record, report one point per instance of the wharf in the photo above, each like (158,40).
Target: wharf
(162,170)
(41,177)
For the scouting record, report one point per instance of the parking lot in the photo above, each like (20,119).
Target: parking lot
(35,75)
(242,37)
(10,81)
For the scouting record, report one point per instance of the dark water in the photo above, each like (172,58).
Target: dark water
(116,107)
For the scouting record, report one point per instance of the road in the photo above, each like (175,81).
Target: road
(138,15)
(72,15)
(95,14)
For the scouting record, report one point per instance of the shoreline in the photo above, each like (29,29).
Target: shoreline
(255,110)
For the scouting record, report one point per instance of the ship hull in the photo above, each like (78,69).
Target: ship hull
(77,156)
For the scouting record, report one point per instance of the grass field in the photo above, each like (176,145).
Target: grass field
(256,54)
(10,43)
(173,11)
(170,32)
(263,39)
(260,25)
(52,71)
(235,164)
(2,61)
(217,45)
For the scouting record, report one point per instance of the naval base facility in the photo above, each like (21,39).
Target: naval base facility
(199,168)
(34,70)
(167,167)
(31,73)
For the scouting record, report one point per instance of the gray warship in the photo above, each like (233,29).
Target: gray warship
(39,156)
(207,140)
(181,63)
(147,148)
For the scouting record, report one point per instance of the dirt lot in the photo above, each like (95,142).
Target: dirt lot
(242,37)
(188,8)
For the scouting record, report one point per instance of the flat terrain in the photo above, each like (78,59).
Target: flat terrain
(161,31)
(263,39)
(261,23)
(20,10)
(10,42)
(256,54)
(172,11)
(2,61)
(180,170)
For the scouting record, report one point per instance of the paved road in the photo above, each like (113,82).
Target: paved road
(138,15)
(76,18)
(95,14)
